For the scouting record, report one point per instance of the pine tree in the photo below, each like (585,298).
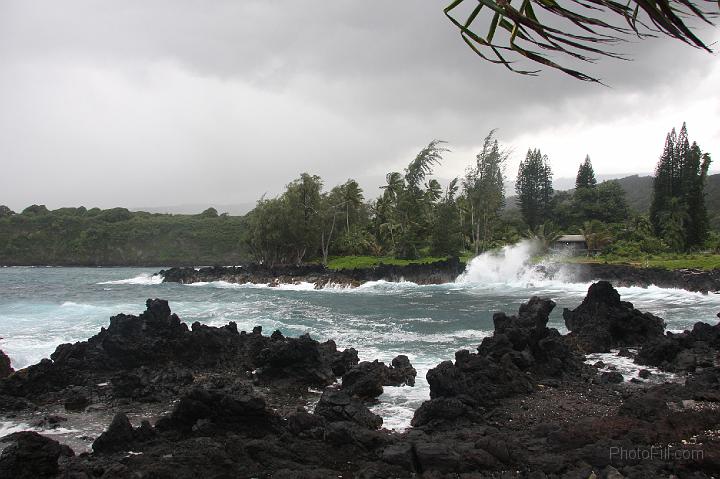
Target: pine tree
(534,188)
(678,209)
(586,175)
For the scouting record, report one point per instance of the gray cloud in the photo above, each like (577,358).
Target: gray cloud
(151,103)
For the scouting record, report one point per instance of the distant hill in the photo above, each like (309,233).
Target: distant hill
(638,192)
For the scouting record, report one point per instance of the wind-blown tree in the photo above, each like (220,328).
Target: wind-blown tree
(580,30)
(585,175)
(405,209)
(484,186)
(446,236)
(534,188)
(678,192)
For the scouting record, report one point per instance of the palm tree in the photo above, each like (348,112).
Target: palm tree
(545,235)
(577,29)
(596,235)
(352,196)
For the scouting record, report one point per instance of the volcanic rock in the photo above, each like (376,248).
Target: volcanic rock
(522,351)
(603,321)
(31,456)
(5,367)
(121,436)
(686,351)
(336,405)
(366,380)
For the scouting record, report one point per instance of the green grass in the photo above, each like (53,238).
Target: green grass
(666,261)
(353,262)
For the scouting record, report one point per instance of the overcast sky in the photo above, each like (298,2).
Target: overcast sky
(152,103)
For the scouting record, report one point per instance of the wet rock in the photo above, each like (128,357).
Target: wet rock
(401,372)
(366,380)
(644,374)
(212,411)
(5,367)
(49,421)
(686,351)
(521,351)
(302,422)
(336,405)
(121,436)
(29,455)
(77,401)
(611,377)
(603,321)
(295,361)
(441,411)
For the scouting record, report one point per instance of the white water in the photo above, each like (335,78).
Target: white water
(43,307)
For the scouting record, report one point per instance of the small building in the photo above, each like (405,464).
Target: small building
(575,244)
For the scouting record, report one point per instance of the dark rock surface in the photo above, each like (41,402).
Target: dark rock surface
(366,380)
(337,405)
(628,275)
(155,356)
(522,352)
(523,406)
(603,321)
(5,367)
(28,455)
(686,351)
(439,272)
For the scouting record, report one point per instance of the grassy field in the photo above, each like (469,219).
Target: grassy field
(353,262)
(670,261)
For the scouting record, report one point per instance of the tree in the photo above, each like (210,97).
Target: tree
(484,186)
(406,206)
(578,29)
(5,211)
(534,188)
(446,235)
(678,191)
(586,175)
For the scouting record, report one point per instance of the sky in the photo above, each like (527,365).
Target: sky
(153,103)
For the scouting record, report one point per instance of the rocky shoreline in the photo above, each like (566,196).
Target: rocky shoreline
(232,403)
(441,272)
(438,272)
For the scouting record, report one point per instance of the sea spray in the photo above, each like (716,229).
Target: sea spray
(510,265)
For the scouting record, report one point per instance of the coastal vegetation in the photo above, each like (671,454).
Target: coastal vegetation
(414,219)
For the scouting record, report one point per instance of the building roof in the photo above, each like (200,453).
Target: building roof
(571,239)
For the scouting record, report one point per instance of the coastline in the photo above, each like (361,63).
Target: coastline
(441,272)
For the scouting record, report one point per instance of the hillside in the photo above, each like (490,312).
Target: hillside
(81,237)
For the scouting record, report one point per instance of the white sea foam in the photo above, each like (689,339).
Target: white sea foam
(300,286)
(511,265)
(142,279)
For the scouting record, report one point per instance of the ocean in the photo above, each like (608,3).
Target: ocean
(42,307)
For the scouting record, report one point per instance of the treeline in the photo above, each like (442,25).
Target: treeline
(416,216)
(118,237)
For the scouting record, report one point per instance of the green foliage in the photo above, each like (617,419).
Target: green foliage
(76,236)
(484,189)
(359,262)
(534,188)
(585,175)
(678,210)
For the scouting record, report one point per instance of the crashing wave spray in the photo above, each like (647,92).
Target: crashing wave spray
(512,264)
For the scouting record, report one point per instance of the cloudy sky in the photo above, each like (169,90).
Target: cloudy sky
(139,103)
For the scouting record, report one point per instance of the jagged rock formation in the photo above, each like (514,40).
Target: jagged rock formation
(521,352)
(439,272)
(603,321)
(5,366)
(686,351)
